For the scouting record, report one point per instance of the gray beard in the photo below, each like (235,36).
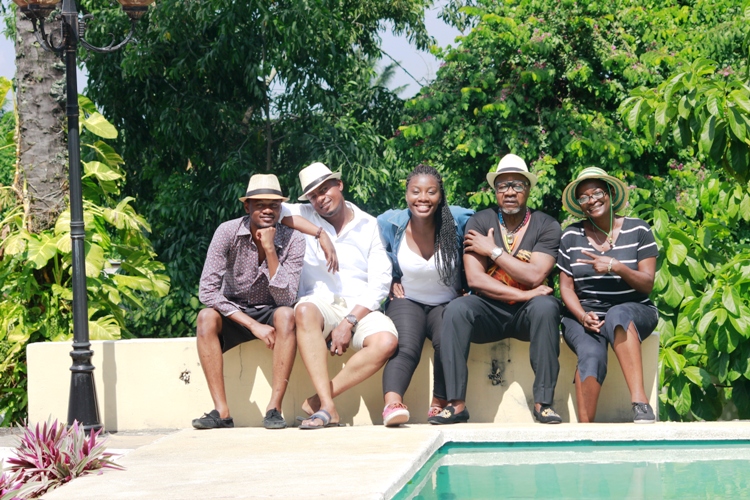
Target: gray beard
(511,212)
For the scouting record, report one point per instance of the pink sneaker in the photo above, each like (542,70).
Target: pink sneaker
(395,414)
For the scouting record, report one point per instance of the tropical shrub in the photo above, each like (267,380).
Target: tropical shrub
(544,78)
(52,455)
(35,269)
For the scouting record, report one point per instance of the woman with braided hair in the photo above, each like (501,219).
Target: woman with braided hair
(424,243)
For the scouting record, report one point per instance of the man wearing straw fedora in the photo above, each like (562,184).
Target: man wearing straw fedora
(338,311)
(249,281)
(509,251)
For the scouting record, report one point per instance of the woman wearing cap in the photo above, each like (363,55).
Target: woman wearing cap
(423,242)
(608,263)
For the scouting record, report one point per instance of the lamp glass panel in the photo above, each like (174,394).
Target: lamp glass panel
(135,3)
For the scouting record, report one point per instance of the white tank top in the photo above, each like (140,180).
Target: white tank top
(421,280)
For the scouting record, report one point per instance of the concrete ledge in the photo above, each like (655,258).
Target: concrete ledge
(159,384)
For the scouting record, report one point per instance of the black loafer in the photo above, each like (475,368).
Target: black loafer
(547,415)
(274,420)
(212,420)
(449,416)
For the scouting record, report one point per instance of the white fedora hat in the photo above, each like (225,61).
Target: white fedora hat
(313,176)
(263,187)
(511,164)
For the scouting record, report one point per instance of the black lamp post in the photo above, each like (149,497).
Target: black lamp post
(82,405)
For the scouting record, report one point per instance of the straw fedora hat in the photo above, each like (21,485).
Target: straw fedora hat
(618,191)
(313,176)
(263,187)
(511,164)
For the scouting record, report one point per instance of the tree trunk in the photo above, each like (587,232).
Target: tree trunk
(42,166)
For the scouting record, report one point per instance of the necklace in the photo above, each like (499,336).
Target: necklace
(608,235)
(510,236)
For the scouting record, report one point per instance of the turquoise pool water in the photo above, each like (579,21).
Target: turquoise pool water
(583,470)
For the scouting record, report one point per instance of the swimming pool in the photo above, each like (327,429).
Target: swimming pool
(585,469)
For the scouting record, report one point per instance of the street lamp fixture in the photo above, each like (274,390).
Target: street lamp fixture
(82,405)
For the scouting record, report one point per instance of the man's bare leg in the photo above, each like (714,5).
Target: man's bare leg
(627,348)
(377,349)
(312,348)
(284,351)
(211,358)
(587,397)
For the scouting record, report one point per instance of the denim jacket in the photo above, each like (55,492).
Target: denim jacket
(393,223)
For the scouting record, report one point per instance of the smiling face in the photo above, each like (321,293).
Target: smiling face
(512,202)
(263,212)
(593,207)
(328,198)
(423,196)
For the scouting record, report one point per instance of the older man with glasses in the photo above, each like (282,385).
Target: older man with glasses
(509,252)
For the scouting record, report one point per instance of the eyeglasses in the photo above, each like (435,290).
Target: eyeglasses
(596,195)
(518,186)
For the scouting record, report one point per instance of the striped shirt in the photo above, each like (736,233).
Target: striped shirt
(599,292)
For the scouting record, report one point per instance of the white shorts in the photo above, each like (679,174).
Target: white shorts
(333,314)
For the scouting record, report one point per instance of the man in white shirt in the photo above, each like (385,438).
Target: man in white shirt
(340,310)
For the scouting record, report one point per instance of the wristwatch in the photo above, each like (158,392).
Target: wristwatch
(352,319)
(496,252)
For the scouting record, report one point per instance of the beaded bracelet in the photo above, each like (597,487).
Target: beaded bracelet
(609,267)
(317,235)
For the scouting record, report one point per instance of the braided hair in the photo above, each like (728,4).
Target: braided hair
(447,249)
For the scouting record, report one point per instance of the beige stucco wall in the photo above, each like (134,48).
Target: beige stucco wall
(159,383)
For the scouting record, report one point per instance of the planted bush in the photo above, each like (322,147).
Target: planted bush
(50,456)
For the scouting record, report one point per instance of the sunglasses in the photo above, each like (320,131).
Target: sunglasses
(596,195)
(518,186)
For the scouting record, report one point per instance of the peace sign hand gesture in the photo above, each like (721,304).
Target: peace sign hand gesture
(601,263)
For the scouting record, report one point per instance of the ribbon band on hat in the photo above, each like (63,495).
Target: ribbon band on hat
(263,186)
(315,183)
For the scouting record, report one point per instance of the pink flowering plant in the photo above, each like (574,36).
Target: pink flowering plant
(51,455)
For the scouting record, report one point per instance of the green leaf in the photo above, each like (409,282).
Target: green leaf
(726,340)
(696,269)
(63,293)
(679,395)
(741,324)
(737,124)
(698,376)
(676,251)
(661,222)
(15,243)
(104,329)
(94,260)
(98,125)
(41,249)
(86,104)
(740,97)
(741,397)
(674,360)
(633,115)
(705,322)
(106,153)
(745,208)
(708,133)
(675,292)
(731,300)
(100,171)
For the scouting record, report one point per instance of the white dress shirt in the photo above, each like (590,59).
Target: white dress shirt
(364,276)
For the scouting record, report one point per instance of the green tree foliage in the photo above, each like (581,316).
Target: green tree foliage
(544,79)
(35,269)
(217,90)
(702,283)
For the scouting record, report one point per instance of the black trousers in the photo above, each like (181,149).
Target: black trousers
(475,319)
(414,322)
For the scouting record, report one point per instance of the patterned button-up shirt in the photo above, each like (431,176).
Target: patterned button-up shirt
(232,280)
